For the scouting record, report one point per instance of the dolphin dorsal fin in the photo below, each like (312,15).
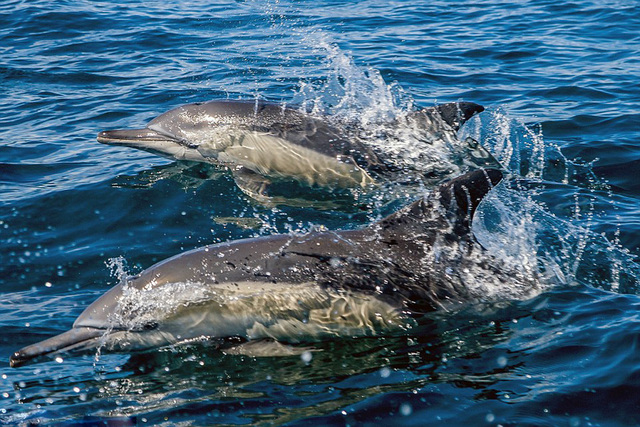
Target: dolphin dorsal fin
(454,202)
(462,195)
(455,114)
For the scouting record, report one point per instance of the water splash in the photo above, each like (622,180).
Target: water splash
(138,308)
(519,224)
(118,267)
(347,91)
(523,151)
(520,228)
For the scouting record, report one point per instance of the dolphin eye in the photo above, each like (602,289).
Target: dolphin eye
(149,326)
(187,143)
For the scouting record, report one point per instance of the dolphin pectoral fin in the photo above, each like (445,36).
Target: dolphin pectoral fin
(257,186)
(73,339)
(251,183)
(266,348)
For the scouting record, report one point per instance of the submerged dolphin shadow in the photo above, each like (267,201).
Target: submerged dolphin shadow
(262,143)
(298,289)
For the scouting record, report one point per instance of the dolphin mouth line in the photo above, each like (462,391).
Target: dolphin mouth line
(73,339)
(135,137)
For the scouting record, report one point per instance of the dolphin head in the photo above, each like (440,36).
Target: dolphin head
(163,136)
(95,327)
(179,132)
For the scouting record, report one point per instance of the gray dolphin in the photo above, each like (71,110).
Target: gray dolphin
(260,141)
(302,288)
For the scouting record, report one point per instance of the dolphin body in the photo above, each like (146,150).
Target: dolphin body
(298,289)
(261,141)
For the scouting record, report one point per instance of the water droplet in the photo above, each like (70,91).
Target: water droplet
(406,409)
(385,372)
(502,361)
(59,359)
(306,357)
(490,417)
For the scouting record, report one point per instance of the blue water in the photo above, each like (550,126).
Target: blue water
(560,83)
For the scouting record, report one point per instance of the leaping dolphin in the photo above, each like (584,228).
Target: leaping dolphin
(302,288)
(260,141)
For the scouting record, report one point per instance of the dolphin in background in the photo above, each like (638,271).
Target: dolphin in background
(261,141)
(297,289)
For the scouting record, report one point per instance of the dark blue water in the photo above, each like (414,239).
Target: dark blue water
(560,83)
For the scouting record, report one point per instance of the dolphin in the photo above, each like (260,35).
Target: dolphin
(297,289)
(261,141)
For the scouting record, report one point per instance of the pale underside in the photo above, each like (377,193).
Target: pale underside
(269,155)
(285,312)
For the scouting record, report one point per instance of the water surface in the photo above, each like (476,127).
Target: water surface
(559,81)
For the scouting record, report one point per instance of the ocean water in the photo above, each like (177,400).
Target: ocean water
(560,84)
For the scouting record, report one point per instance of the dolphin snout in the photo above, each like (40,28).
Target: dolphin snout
(132,137)
(73,339)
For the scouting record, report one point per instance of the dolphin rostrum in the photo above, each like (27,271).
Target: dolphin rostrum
(261,141)
(294,289)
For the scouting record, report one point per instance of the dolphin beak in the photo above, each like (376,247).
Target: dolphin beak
(73,339)
(136,138)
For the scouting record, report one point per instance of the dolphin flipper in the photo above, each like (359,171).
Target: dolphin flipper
(251,183)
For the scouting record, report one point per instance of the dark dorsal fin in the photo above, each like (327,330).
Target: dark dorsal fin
(462,195)
(454,202)
(456,113)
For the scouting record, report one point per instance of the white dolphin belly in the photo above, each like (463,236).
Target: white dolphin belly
(285,312)
(273,156)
